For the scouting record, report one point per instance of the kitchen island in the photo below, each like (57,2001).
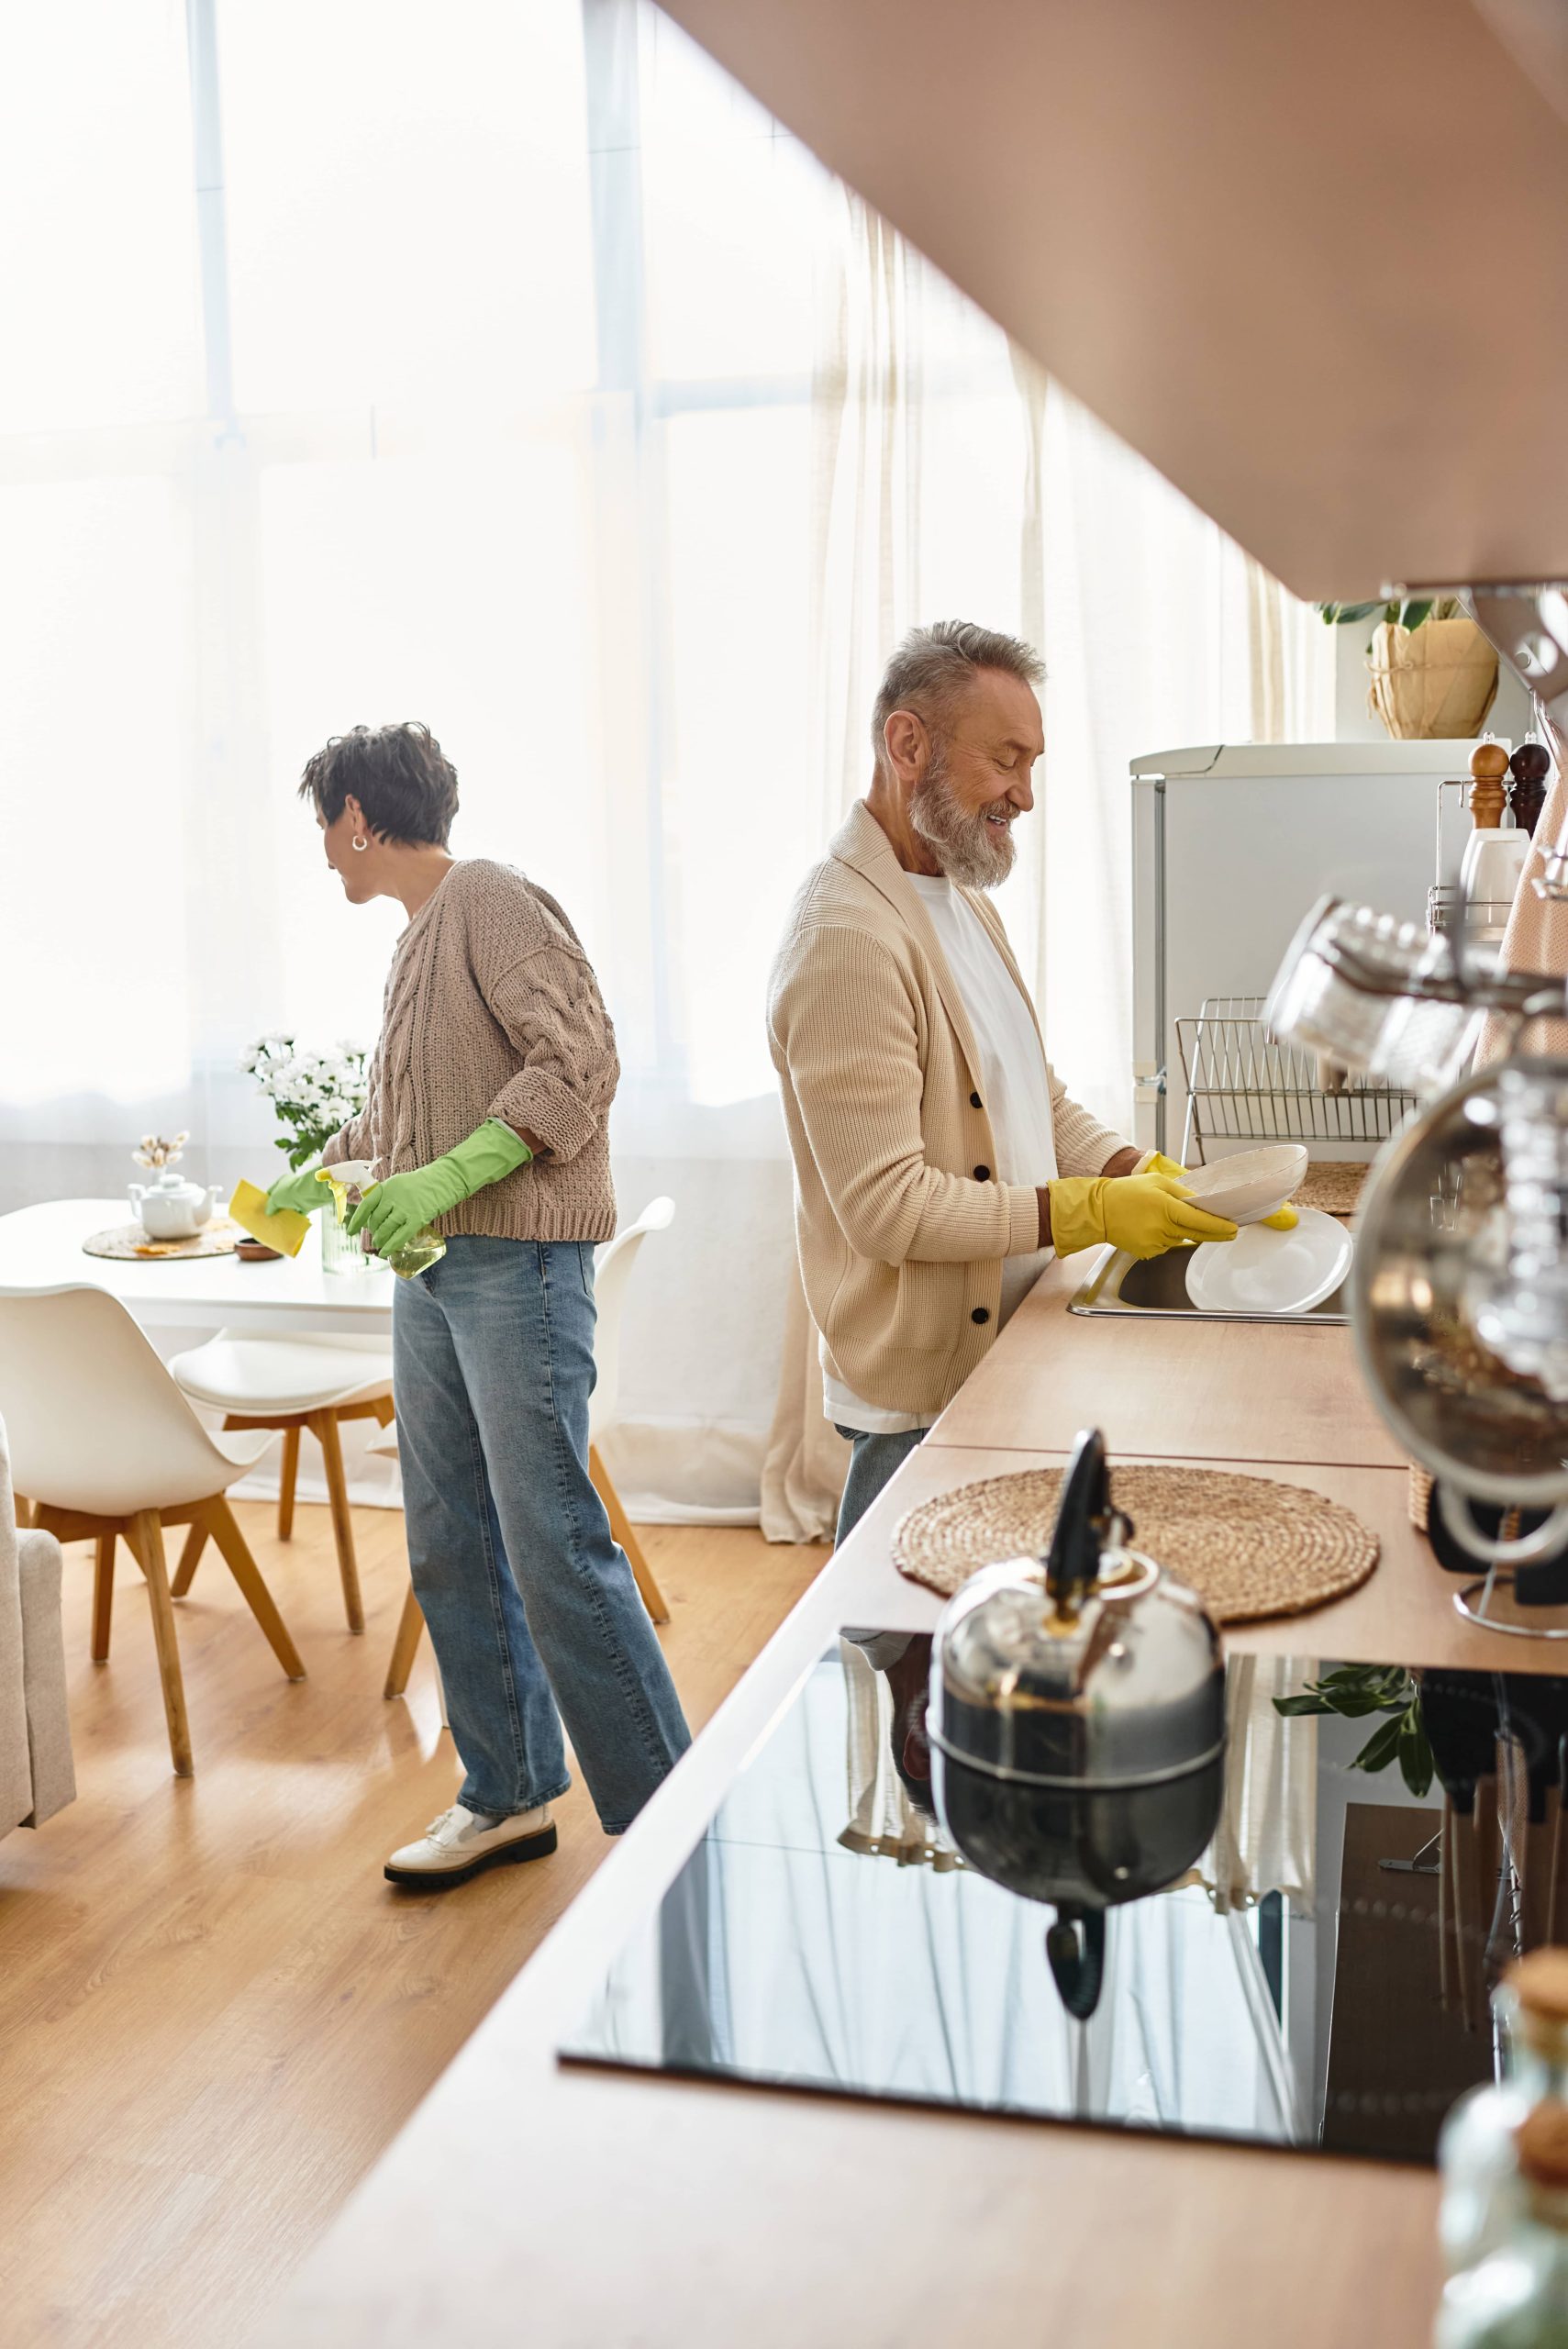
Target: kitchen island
(525,2202)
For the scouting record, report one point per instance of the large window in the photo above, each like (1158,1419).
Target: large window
(466,376)
(502,365)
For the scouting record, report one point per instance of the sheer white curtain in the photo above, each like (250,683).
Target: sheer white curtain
(507,368)
(951,478)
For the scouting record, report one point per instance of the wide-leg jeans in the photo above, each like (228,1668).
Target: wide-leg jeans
(530,1601)
(874,1462)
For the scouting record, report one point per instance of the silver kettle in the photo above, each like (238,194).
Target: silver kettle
(1077,1724)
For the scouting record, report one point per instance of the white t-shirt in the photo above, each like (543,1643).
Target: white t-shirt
(1016,1092)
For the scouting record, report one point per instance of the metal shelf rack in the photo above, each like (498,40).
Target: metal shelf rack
(1243,1086)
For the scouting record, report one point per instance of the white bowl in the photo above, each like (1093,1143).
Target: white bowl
(1271,1272)
(1252,1184)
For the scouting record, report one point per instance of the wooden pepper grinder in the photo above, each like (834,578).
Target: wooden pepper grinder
(1530,766)
(1488,765)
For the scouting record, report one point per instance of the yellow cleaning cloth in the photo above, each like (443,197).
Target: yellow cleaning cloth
(285,1231)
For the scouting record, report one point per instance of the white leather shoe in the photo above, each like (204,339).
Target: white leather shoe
(457,1846)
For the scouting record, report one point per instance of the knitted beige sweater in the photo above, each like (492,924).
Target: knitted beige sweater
(492,1010)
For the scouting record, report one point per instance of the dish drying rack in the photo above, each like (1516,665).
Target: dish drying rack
(1243,1086)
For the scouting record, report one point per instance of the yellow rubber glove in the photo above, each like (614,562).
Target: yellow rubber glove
(1145,1214)
(1156,1162)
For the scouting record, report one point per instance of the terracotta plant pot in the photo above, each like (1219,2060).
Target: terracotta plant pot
(1438,679)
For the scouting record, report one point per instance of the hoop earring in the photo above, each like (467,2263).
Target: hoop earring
(360,846)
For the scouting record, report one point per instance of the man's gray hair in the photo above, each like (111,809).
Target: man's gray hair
(934,667)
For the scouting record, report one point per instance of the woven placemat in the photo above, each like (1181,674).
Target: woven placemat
(129,1241)
(1333,1185)
(1422,1484)
(1249,1546)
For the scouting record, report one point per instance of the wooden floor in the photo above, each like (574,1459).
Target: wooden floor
(214,2011)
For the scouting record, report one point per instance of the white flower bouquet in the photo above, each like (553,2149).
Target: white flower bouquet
(315,1091)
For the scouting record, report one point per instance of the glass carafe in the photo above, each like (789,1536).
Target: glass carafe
(1518,2296)
(1483,2193)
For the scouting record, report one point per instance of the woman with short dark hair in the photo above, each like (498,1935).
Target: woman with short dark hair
(487,1115)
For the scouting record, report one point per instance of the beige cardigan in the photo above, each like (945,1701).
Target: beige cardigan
(492,1010)
(901,1230)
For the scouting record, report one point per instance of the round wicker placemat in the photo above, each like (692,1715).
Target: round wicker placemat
(1248,1547)
(128,1241)
(1333,1185)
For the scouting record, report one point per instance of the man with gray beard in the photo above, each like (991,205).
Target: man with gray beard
(939,1163)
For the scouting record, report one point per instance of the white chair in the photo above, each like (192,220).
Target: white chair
(612,1271)
(292,1384)
(105,1444)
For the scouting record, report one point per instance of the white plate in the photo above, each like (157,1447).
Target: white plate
(1271,1272)
(1251,1184)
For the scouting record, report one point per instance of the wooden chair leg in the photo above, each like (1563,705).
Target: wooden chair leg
(145,1534)
(190,1558)
(405,1646)
(385,1411)
(647,1581)
(24,1512)
(323,1426)
(103,1596)
(288,1478)
(225,1531)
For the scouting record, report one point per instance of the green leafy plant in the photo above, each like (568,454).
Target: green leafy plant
(1408,612)
(1357,1691)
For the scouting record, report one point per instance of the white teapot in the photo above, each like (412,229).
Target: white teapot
(171,1209)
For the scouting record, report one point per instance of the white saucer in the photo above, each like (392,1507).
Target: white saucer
(1271,1272)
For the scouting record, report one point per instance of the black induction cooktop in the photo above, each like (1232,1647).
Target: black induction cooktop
(1316,1978)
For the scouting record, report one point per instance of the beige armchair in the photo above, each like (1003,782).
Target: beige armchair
(36,1774)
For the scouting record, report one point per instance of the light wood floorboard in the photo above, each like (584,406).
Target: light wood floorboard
(214,2011)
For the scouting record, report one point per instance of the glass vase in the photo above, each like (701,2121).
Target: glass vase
(340,1254)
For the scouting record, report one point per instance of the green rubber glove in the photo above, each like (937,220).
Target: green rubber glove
(1282,1220)
(298,1195)
(1145,1214)
(392,1211)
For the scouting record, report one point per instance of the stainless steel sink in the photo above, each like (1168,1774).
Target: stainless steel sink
(1156,1287)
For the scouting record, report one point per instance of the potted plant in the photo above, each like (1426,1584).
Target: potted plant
(1357,1691)
(1432,671)
(314,1092)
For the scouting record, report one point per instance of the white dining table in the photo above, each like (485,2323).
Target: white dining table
(41,1250)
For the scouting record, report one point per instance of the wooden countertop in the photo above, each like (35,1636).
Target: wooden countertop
(524,2202)
(1403,1614)
(1178,1389)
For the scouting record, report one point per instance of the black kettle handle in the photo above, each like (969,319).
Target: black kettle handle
(1083,1514)
(1075,1953)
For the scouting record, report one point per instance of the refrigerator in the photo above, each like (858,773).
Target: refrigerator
(1232,843)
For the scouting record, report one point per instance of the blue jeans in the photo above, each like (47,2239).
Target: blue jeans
(876,1460)
(529,1599)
